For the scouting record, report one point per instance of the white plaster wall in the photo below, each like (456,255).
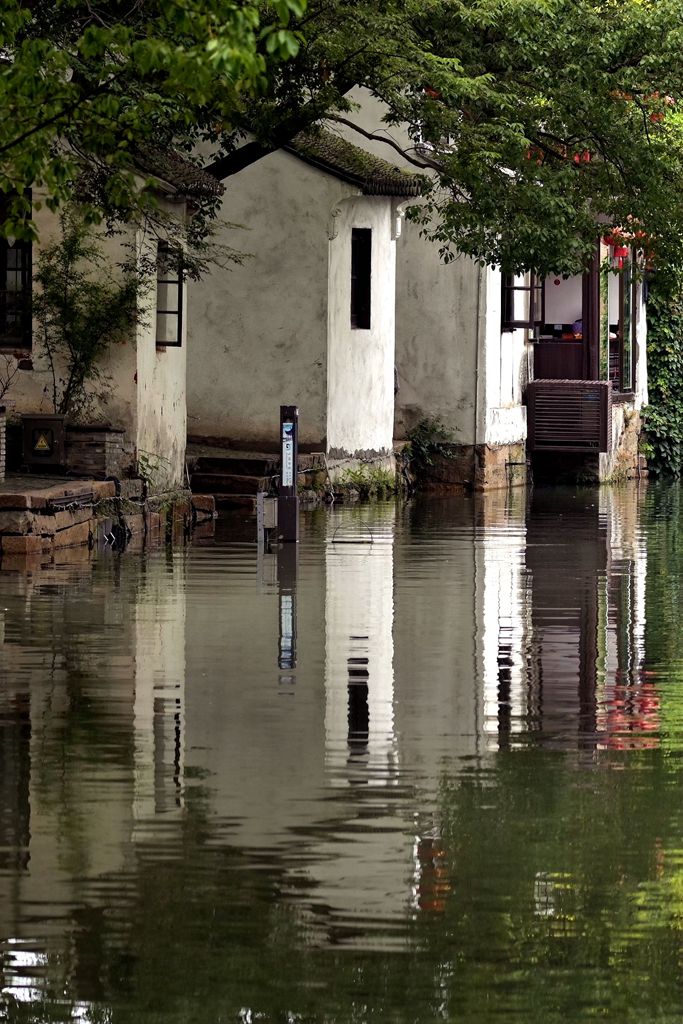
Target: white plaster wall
(437,311)
(442,311)
(160,394)
(563,301)
(143,388)
(502,375)
(257,333)
(360,384)
(641,398)
(32,390)
(437,307)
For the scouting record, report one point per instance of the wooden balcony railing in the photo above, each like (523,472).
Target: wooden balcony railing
(569,415)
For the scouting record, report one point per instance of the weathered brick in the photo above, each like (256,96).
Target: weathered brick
(16,522)
(73,535)
(26,545)
(203,503)
(18,500)
(103,489)
(50,524)
(181,509)
(135,522)
(131,488)
(153,522)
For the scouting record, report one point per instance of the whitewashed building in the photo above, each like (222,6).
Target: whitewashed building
(144,397)
(470,340)
(309,318)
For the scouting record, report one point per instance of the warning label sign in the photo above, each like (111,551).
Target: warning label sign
(42,444)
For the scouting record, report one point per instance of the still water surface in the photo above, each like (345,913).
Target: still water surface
(428,768)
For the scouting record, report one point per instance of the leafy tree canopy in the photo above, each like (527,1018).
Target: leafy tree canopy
(541,120)
(84,84)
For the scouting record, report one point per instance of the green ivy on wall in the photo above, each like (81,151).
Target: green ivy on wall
(664,414)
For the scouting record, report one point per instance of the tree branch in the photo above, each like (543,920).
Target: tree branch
(423,162)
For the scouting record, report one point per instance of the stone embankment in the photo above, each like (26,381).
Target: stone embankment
(38,519)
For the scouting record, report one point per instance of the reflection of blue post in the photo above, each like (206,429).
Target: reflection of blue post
(286,579)
(287,498)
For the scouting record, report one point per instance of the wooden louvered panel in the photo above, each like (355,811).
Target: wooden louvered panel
(569,415)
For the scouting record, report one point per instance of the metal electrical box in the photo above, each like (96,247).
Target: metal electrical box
(44,440)
(266,514)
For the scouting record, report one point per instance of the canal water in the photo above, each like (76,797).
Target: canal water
(429,767)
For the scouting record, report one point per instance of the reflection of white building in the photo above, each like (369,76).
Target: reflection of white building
(359,648)
(587,564)
(502,601)
(462,632)
(91,752)
(159,703)
(627,705)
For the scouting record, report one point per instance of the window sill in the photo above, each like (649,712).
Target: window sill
(623,397)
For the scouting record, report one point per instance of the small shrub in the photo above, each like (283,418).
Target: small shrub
(370,481)
(430,438)
(80,311)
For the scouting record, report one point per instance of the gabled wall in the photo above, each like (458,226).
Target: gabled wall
(257,333)
(277,329)
(143,390)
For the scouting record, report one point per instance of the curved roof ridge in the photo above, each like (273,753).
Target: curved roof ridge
(375,177)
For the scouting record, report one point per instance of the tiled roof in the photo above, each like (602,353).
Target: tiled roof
(376,177)
(177,170)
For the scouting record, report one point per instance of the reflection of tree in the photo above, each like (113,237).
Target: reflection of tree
(557,888)
(555,904)
(664,595)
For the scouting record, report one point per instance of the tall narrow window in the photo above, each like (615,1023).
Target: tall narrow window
(15,291)
(169,296)
(361,277)
(523,301)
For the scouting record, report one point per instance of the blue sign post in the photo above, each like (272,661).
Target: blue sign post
(287,497)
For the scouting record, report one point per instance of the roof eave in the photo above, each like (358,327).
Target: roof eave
(352,179)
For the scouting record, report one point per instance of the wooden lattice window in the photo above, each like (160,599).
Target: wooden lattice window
(169,296)
(15,289)
(522,301)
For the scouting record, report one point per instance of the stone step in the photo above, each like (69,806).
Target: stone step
(227,483)
(235,466)
(256,465)
(226,501)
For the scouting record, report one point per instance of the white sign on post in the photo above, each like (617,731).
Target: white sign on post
(288,455)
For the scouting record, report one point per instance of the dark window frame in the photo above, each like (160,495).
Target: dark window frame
(534,287)
(167,256)
(626,383)
(361,279)
(16,303)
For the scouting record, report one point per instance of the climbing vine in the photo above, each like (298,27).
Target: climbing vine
(664,414)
